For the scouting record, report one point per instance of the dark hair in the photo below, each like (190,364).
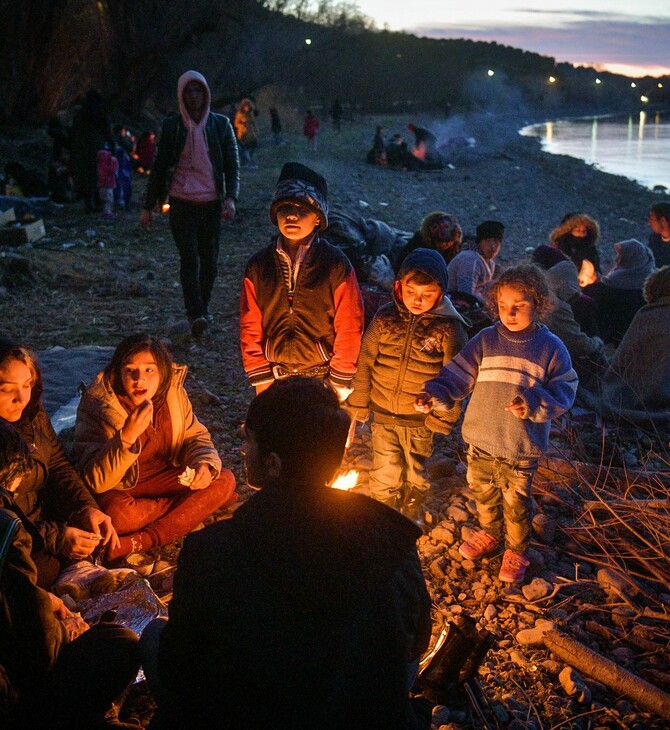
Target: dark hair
(131,346)
(300,419)
(657,285)
(661,210)
(528,278)
(15,459)
(490,229)
(12,350)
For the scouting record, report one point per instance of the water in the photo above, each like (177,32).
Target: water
(637,146)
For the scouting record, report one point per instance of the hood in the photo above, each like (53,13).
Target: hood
(428,261)
(563,280)
(634,262)
(581,219)
(183,80)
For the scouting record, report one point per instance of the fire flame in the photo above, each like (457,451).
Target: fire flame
(346,481)
(165,207)
(587,274)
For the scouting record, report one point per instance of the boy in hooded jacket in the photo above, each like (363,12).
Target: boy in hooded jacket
(408,341)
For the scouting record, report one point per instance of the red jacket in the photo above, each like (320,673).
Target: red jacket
(322,326)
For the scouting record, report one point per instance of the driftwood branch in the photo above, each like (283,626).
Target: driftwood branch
(606,671)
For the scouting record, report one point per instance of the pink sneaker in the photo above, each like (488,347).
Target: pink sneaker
(480,543)
(513,568)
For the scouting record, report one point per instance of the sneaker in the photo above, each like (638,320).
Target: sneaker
(198,326)
(480,543)
(513,569)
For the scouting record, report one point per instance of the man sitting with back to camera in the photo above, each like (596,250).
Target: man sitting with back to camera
(308,608)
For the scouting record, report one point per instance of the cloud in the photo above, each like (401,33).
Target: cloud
(594,39)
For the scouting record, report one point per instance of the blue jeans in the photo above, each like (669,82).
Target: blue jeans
(501,488)
(196,229)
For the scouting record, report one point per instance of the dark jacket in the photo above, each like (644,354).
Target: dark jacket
(51,494)
(30,635)
(399,353)
(322,325)
(303,611)
(223,153)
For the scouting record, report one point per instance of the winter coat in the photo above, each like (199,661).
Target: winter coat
(51,494)
(578,249)
(31,637)
(322,325)
(302,611)
(103,460)
(400,351)
(221,148)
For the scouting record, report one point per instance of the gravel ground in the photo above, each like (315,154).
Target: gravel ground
(94,282)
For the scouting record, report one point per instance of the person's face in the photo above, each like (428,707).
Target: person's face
(194,96)
(447,236)
(419,298)
(16,387)
(140,377)
(490,247)
(580,231)
(654,222)
(516,308)
(296,222)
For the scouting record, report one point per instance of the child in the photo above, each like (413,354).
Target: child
(310,128)
(474,267)
(408,340)
(301,310)
(521,377)
(142,451)
(107,166)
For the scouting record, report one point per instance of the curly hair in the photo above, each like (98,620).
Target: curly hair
(528,278)
(431,231)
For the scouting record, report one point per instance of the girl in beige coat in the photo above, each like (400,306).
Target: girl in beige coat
(142,451)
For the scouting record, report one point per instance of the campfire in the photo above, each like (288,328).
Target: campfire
(346,481)
(587,273)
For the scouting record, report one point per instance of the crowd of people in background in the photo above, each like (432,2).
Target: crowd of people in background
(144,472)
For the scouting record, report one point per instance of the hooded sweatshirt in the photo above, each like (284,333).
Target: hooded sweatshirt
(634,262)
(193,178)
(400,351)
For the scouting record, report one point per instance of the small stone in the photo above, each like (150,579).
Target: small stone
(458,514)
(617,582)
(574,685)
(536,589)
(544,528)
(534,636)
(490,612)
(442,533)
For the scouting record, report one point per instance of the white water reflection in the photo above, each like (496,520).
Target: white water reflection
(637,146)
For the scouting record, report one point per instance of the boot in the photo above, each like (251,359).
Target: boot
(413,508)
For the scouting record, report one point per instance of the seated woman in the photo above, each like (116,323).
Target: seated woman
(66,521)
(577,236)
(46,651)
(636,386)
(142,451)
(618,295)
(439,231)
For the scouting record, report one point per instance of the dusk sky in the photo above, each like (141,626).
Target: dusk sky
(630,37)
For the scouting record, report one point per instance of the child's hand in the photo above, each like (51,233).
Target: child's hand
(228,209)
(203,477)
(423,403)
(517,407)
(137,422)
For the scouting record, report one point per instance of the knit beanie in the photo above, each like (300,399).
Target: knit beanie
(547,256)
(299,184)
(490,229)
(428,261)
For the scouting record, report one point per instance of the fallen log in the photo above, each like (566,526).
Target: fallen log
(608,673)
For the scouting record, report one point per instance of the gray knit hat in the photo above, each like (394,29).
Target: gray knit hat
(300,184)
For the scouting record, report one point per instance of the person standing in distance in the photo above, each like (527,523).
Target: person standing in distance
(197,167)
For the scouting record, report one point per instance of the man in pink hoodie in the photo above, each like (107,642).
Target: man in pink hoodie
(197,168)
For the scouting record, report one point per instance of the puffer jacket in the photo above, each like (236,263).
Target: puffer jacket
(102,459)
(51,494)
(399,353)
(578,249)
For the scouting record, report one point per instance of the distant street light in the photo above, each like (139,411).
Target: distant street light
(552,79)
(490,72)
(632,84)
(644,99)
(598,81)
(660,85)
(308,41)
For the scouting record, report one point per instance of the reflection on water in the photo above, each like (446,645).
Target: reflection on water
(637,147)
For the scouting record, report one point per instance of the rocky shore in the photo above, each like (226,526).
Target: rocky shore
(92,282)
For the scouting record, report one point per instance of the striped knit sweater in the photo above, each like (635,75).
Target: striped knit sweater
(496,366)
